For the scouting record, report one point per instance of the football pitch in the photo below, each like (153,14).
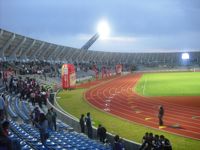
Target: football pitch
(169,84)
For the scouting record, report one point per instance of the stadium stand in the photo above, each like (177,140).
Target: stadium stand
(32,58)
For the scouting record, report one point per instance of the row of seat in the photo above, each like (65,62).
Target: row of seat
(58,140)
(11,112)
(29,137)
(25,117)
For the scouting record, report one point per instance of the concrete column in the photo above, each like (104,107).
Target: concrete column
(59,54)
(6,45)
(42,53)
(13,54)
(52,53)
(41,46)
(24,55)
(1,32)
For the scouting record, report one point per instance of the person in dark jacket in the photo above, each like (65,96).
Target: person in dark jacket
(118,145)
(101,133)
(82,123)
(89,125)
(5,141)
(54,116)
(43,128)
(160,115)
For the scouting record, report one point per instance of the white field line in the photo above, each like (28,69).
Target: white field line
(144,86)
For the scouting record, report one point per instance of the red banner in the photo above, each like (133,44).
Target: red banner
(68,76)
(118,69)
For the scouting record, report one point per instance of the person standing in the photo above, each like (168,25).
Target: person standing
(5,140)
(89,125)
(43,128)
(101,133)
(54,116)
(49,119)
(2,108)
(160,115)
(82,123)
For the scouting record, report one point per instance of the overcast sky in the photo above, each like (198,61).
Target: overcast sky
(142,25)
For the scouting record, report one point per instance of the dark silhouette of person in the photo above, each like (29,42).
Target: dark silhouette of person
(101,133)
(166,145)
(82,123)
(5,141)
(43,128)
(54,116)
(89,125)
(160,115)
(117,145)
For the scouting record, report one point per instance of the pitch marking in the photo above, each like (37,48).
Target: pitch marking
(144,85)
(106,109)
(148,118)
(195,117)
(162,127)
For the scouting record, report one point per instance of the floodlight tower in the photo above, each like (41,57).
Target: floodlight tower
(89,43)
(103,31)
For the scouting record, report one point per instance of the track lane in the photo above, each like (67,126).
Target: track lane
(122,98)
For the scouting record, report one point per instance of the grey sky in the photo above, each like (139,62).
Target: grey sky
(142,25)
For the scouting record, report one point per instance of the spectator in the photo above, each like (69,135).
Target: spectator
(54,115)
(43,129)
(165,143)
(51,97)
(117,143)
(145,137)
(2,108)
(89,125)
(35,115)
(82,123)
(49,119)
(156,144)
(101,133)
(5,140)
(33,98)
(147,142)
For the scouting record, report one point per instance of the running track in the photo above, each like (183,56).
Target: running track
(116,96)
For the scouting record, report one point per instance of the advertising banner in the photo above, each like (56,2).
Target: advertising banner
(118,69)
(68,76)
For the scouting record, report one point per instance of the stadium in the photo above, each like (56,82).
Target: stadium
(122,91)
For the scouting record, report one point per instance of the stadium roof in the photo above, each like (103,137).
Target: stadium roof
(136,26)
(17,47)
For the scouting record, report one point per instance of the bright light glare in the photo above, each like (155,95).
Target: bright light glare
(103,29)
(185,56)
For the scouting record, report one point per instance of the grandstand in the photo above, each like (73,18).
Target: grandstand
(18,51)
(18,47)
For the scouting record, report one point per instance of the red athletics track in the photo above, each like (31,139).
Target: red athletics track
(182,114)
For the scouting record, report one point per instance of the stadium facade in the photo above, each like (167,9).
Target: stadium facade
(17,47)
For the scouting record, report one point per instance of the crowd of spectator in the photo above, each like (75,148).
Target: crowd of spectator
(35,67)
(28,88)
(86,122)
(155,142)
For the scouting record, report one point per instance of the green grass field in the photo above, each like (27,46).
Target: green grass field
(74,103)
(169,84)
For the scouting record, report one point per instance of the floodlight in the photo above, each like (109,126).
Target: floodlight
(103,29)
(185,56)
